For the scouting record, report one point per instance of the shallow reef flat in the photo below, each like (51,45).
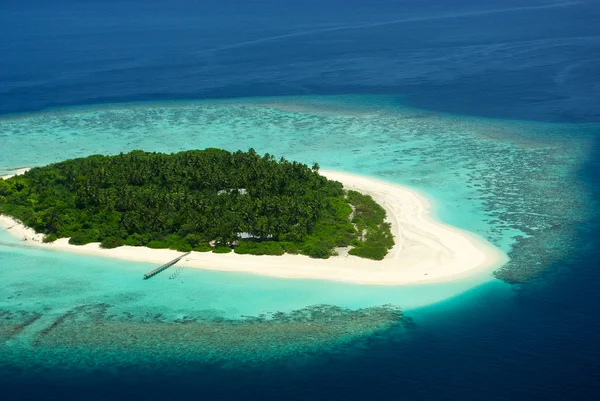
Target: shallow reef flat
(124,339)
(13,323)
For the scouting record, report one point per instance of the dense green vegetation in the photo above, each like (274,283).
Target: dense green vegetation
(190,200)
(375,235)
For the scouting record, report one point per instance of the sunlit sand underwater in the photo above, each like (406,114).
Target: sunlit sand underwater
(513,183)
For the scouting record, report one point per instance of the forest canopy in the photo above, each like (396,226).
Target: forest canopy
(199,200)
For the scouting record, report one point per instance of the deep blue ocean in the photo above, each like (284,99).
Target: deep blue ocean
(527,60)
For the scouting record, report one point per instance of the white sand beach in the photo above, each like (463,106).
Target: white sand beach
(426,250)
(18,171)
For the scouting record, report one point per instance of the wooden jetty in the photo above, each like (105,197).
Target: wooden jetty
(165,266)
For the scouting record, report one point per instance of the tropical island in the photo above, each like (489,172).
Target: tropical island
(197,200)
(228,207)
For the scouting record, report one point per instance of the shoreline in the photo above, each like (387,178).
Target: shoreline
(426,250)
(17,171)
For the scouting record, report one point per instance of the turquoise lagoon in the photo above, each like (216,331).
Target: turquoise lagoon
(514,183)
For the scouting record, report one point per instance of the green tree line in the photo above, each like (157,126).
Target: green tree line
(186,200)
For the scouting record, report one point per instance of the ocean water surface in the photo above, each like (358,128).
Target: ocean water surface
(489,109)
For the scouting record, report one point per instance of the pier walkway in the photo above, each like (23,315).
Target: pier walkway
(165,266)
